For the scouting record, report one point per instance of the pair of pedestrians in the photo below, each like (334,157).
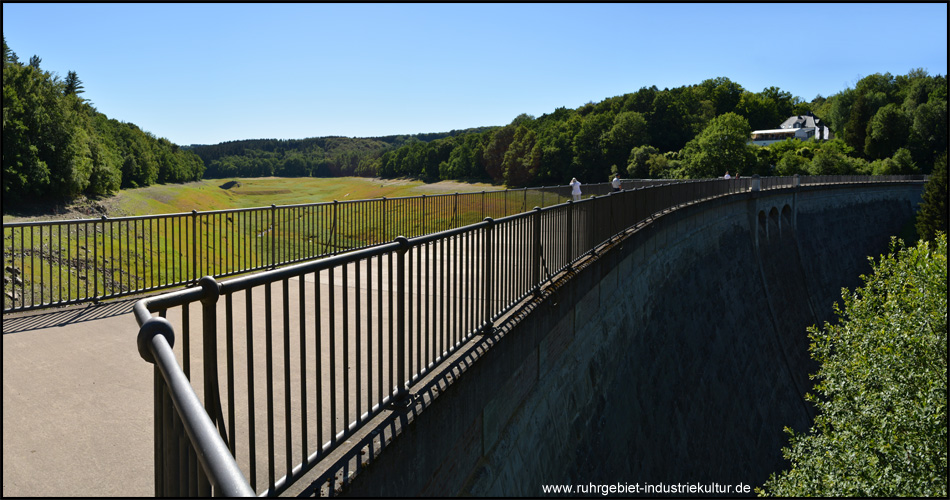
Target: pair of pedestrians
(576,186)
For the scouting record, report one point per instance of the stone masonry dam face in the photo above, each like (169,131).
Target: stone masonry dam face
(677,356)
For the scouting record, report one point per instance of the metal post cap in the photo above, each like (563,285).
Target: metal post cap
(152,327)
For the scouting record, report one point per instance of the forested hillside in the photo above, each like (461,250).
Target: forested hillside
(56,145)
(312,157)
(885,125)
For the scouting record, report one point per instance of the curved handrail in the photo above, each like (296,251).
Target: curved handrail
(206,438)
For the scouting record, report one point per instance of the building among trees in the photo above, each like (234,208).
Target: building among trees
(801,127)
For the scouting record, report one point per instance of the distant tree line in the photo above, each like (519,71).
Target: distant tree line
(312,157)
(57,146)
(886,125)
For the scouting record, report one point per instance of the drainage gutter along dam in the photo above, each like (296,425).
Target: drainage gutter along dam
(676,356)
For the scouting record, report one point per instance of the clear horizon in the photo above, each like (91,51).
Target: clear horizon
(211,73)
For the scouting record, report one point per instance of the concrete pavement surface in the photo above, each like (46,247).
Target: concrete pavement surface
(77,404)
(77,397)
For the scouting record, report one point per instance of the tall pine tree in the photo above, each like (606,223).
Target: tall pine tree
(73,84)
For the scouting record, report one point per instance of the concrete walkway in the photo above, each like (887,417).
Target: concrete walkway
(77,404)
(77,396)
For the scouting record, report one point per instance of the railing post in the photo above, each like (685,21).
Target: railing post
(385,234)
(536,250)
(483,204)
(333,236)
(423,231)
(273,237)
(487,327)
(570,232)
(797,181)
(455,214)
(209,333)
(756,183)
(402,393)
(194,246)
(591,221)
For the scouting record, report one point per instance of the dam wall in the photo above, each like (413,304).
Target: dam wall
(677,356)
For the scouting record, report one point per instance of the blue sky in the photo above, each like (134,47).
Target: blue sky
(209,73)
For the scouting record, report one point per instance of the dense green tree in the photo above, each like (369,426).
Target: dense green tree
(884,85)
(831,158)
(932,216)
(928,132)
(105,177)
(761,112)
(293,164)
(523,158)
(556,134)
(784,101)
(763,163)
(25,174)
(915,91)
(57,146)
(73,84)
(723,93)
(464,160)
(856,131)
(886,132)
(881,427)
(791,164)
(493,156)
(35,62)
(522,119)
(801,108)
(641,101)
(722,146)
(664,166)
(9,56)
(588,161)
(629,130)
(939,92)
(839,110)
(669,123)
(899,164)
(639,161)
(830,162)
(44,142)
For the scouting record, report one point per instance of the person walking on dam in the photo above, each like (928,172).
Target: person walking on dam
(615,183)
(576,189)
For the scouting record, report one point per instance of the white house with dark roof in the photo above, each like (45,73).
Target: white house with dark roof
(801,127)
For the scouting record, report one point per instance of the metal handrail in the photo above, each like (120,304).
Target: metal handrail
(492,251)
(217,470)
(56,263)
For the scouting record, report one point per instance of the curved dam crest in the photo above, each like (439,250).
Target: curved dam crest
(677,356)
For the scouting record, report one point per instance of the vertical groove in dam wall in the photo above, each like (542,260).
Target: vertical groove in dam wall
(675,357)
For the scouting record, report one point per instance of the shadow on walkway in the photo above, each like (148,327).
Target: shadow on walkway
(38,320)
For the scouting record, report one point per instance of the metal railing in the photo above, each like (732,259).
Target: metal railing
(313,351)
(54,263)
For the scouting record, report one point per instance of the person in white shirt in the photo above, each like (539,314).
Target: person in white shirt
(615,183)
(727,176)
(576,189)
